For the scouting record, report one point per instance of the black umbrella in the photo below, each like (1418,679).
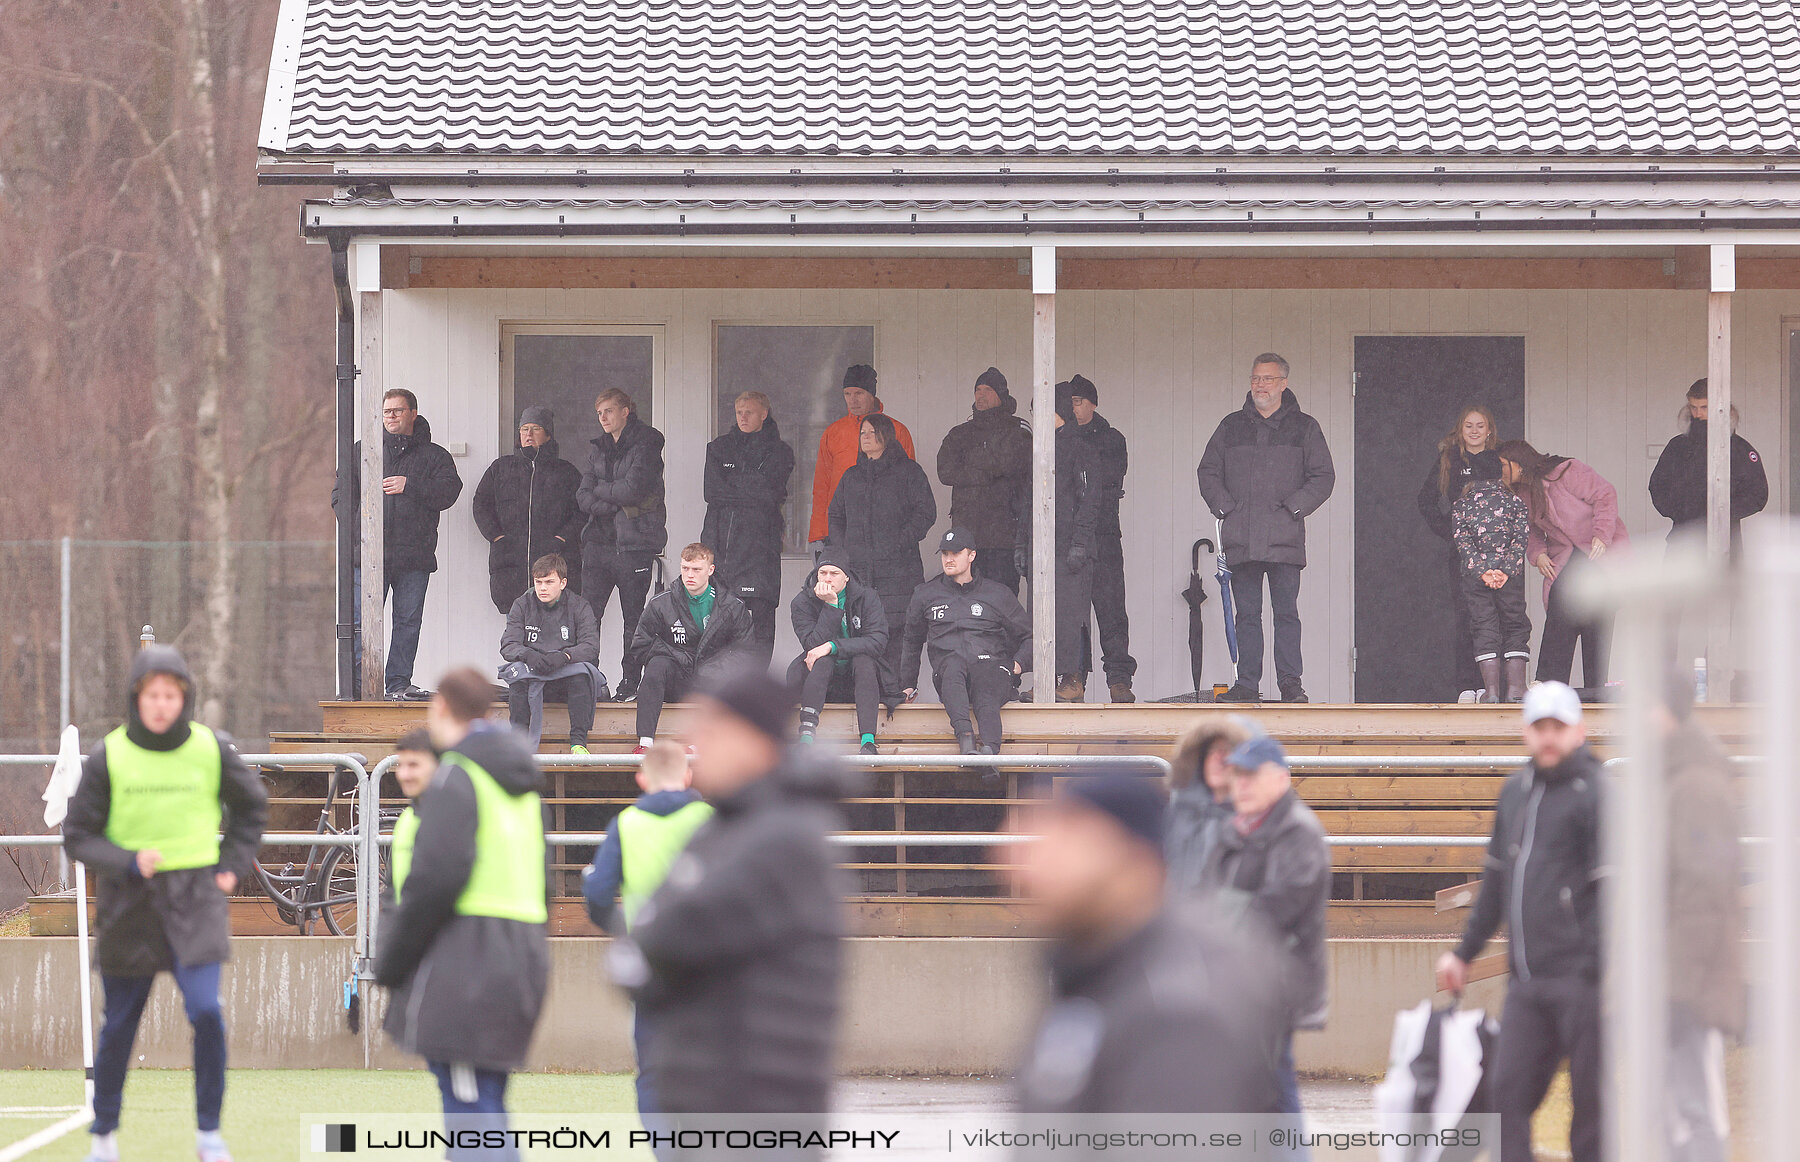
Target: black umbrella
(1195,593)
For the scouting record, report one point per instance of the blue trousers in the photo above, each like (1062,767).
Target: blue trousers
(125,1000)
(408,590)
(481,1106)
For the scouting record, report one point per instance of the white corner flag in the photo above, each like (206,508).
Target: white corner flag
(64,778)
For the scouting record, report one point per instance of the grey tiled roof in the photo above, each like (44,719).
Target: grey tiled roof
(902,78)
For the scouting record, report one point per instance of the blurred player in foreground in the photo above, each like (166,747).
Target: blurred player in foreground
(466,950)
(153,798)
(1155,1007)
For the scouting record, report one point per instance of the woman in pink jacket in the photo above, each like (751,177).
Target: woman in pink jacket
(1574,519)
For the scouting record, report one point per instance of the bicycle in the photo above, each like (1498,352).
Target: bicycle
(324,887)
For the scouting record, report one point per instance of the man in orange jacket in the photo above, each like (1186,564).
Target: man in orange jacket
(838,446)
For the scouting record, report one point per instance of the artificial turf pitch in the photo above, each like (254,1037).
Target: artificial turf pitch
(265,1108)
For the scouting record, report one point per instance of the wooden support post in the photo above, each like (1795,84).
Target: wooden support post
(1719,666)
(1043,474)
(372,685)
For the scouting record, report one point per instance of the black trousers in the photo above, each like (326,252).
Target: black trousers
(1074,601)
(976,687)
(996,564)
(858,682)
(895,607)
(1498,623)
(577,690)
(1109,612)
(762,629)
(1468,675)
(664,680)
(630,574)
(1556,652)
(1548,1020)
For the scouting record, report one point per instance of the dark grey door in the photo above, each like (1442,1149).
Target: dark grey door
(1410,391)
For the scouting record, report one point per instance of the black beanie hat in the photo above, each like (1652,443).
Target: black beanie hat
(756,698)
(860,375)
(1135,802)
(992,378)
(1081,387)
(1065,403)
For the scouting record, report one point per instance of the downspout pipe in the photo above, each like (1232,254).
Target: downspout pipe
(347,524)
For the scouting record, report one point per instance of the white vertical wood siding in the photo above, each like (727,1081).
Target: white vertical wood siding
(1605,371)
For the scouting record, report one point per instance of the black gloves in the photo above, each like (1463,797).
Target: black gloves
(539,662)
(1022,560)
(1078,556)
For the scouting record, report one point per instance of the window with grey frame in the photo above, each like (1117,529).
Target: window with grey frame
(801,369)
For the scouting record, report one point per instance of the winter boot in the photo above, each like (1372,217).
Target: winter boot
(1490,678)
(1241,693)
(1515,679)
(1121,692)
(965,744)
(1071,688)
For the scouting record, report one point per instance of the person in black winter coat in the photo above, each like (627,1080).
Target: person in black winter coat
(843,633)
(1475,432)
(980,642)
(1265,470)
(418,481)
(1542,878)
(466,948)
(552,640)
(1087,485)
(986,462)
(1103,562)
(146,816)
(882,509)
(736,961)
(622,494)
(1678,482)
(1156,1005)
(525,507)
(747,473)
(689,632)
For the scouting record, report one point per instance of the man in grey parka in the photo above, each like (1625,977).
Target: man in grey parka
(1266,469)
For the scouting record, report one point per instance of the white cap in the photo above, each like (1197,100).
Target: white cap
(1552,700)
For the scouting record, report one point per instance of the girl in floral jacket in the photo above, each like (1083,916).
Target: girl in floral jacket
(1490,528)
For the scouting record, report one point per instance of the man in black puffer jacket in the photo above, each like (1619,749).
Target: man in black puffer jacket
(622,494)
(1542,878)
(689,632)
(736,960)
(843,632)
(986,462)
(525,507)
(1265,470)
(1678,482)
(747,472)
(418,481)
(1103,447)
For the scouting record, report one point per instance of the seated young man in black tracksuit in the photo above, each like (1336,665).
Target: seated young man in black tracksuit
(687,631)
(551,652)
(843,632)
(980,639)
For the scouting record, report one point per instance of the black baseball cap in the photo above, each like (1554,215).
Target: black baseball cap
(957,539)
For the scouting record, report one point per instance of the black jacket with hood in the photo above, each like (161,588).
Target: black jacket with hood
(979,620)
(409,521)
(880,512)
(467,989)
(525,506)
(667,630)
(986,463)
(737,958)
(859,627)
(1434,503)
(1263,478)
(746,483)
(145,926)
(1541,876)
(1678,482)
(1278,878)
(1182,1016)
(622,493)
(1104,447)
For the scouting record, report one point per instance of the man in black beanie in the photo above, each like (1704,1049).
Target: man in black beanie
(736,960)
(839,444)
(986,462)
(526,510)
(1156,1007)
(1104,447)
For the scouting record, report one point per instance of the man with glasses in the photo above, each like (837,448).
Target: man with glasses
(1266,469)
(418,481)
